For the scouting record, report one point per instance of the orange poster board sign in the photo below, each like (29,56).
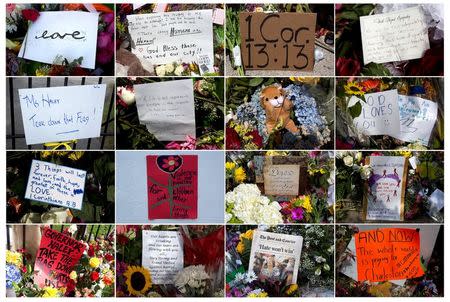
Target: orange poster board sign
(388,254)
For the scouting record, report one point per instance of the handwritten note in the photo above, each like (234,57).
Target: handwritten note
(172,186)
(277,41)
(380,113)
(281,179)
(417,119)
(167,109)
(388,254)
(58,114)
(162,254)
(167,37)
(56,184)
(55,259)
(386,188)
(396,36)
(71,34)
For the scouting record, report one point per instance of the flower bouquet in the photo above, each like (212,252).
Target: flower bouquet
(208,99)
(92,276)
(98,200)
(285,113)
(246,201)
(200,273)
(128,64)
(315,271)
(427,90)
(20,16)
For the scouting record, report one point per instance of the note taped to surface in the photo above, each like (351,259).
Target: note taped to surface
(57,114)
(388,254)
(56,184)
(70,34)
(396,36)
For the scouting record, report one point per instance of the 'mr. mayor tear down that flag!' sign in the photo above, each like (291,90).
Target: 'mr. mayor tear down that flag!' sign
(55,259)
(56,184)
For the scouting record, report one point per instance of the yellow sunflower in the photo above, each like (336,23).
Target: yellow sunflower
(353,88)
(138,280)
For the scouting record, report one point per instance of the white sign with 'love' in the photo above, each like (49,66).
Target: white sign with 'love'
(57,114)
(70,34)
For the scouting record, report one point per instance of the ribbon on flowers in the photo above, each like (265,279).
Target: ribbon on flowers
(58,145)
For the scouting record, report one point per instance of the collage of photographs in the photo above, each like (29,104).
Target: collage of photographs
(224,150)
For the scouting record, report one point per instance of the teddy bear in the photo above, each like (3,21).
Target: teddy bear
(278,108)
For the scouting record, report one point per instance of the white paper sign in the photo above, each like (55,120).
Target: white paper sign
(56,184)
(71,34)
(167,37)
(57,114)
(379,114)
(281,180)
(395,36)
(162,254)
(167,109)
(386,188)
(417,119)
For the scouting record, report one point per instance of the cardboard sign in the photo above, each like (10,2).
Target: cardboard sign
(396,36)
(56,114)
(55,184)
(417,119)
(275,256)
(388,254)
(167,109)
(168,37)
(281,180)
(379,115)
(71,34)
(277,41)
(386,188)
(55,259)
(162,254)
(172,186)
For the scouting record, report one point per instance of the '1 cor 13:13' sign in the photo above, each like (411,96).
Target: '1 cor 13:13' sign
(278,41)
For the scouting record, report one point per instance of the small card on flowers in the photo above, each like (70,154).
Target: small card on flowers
(70,34)
(275,256)
(281,180)
(55,259)
(167,109)
(162,255)
(172,186)
(385,196)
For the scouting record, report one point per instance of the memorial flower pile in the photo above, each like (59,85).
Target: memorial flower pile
(20,16)
(315,277)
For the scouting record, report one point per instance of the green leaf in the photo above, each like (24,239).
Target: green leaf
(349,15)
(373,69)
(255,82)
(355,110)
(110,193)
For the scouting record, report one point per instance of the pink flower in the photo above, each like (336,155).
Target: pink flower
(313,154)
(10,7)
(108,18)
(297,214)
(377,153)
(173,146)
(189,144)
(170,163)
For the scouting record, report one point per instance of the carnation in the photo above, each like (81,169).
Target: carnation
(192,279)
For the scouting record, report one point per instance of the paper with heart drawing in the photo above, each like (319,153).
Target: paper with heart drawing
(56,114)
(168,37)
(162,255)
(167,109)
(281,180)
(417,119)
(385,196)
(56,184)
(172,186)
(379,115)
(70,34)
(395,36)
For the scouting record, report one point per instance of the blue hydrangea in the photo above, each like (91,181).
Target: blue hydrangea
(253,113)
(13,274)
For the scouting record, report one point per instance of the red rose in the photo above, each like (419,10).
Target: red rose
(232,139)
(109,257)
(94,276)
(122,239)
(347,67)
(431,64)
(91,251)
(30,14)
(257,139)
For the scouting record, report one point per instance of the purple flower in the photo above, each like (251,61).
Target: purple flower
(297,214)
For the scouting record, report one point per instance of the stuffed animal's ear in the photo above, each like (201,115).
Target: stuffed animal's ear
(281,90)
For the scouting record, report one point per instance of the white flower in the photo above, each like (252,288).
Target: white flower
(179,70)
(365,171)
(126,95)
(72,229)
(160,70)
(250,277)
(169,68)
(318,272)
(319,259)
(193,276)
(348,161)
(358,156)
(326,267)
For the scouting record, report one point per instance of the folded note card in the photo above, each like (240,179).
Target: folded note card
(56,114)
(167,37)
(56,184)
(396,36)
(167,109)
(70,34)
(172,186)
